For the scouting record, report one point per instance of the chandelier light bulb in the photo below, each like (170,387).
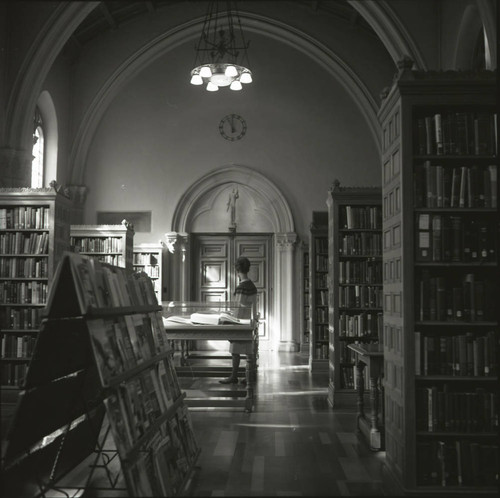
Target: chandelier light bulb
(206,72)
(236,85)
(212,87)
(231,71)
(196,79)
(246,77)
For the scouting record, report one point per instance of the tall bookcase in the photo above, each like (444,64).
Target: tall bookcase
(318,294)
(34,232)
(149,259)
(306,311)
(112,244)
(440,271)
(355,293)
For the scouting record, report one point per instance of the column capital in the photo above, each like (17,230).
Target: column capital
(78,193)
(286,240)
(176,239)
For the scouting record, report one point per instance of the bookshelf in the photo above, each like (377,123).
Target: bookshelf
(112,244)
(306,312)
(34,232)
(440,267)
(149,259)
(102,352)
(318,294)
(355,294)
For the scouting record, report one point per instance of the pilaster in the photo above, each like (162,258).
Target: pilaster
(178,265)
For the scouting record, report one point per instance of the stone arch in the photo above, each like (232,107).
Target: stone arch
(271,200)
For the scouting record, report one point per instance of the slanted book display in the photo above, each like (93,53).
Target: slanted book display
(112,244)
(103,336)
(34,232)
(149,259)
(441,287)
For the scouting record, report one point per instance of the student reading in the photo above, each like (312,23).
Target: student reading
(245,293)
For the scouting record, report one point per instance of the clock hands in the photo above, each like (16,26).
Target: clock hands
(232,124)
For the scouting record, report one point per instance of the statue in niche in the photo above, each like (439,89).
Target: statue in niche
(231,206)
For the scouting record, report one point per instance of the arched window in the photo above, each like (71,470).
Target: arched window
(38,151)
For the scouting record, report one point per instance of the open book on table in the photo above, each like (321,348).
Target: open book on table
(208,319)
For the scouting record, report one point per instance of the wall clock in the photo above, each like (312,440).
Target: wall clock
(232,127)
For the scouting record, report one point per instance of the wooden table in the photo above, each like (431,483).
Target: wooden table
(248,333)
(372,428)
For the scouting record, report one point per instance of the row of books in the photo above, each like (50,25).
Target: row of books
(322,280)
(360,217)
(148,259)
(322,297)
(20,318)
(437,186)
(150,271)
(448,299)
(104,286)
(438,409)
(321,351)
(24,217)
(360,272)
(457,462)
(13,374)
(321,332)
(454,238)
(321,262)
(322,315)
(24,243)
(457,133)
(17,346)
(30,292)
(321,245)
(360,296)
(164,461)
(360,244)
(16,267)
(97,244)
(460,355)
(361,325)
(347,377)
(124,342)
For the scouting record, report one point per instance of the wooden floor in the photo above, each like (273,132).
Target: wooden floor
(292,444)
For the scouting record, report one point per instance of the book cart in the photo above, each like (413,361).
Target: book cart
(34,233)
(102,355)
(112,244)
(440,237)
(149,259)
(318,292)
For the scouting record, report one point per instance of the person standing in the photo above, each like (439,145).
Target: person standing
(245,293)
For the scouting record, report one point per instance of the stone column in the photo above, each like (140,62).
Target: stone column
(78,194)
(178,266)
(284,297)
(16,167)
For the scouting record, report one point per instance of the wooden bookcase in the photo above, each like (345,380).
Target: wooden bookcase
(306,312)
(355,293)
(318,294)
(440,270)
(149,259)
(34,232)
(102,350)
(112,244)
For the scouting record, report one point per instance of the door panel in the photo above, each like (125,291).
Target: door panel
(215,279)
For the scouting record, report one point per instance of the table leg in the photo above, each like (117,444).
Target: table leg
(361,389)
(249,375)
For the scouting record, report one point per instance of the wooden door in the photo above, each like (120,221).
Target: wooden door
(215,279)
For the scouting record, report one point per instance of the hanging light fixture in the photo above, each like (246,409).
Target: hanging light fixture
(221,52)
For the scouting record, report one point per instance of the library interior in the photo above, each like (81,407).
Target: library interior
(249,248)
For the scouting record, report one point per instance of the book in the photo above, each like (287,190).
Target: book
(216,319)
(423,249)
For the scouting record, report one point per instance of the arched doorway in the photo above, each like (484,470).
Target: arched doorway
(261,210)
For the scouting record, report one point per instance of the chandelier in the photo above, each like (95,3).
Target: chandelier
(221,52)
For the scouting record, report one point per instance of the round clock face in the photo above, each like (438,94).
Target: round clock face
(232,127)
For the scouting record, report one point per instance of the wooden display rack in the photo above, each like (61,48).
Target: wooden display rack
(101,351)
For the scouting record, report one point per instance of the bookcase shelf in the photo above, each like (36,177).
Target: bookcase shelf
(440,233)
(112,244)
(355,295)
(149,259)
(34,225)
(306,309)
(318,295)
